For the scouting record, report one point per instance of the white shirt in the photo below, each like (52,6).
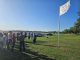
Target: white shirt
(9,36)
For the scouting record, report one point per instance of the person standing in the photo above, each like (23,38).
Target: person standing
(5,39)
(18,34)
(1,40)
(29,35)
(9,44)
(22,42)
(13,41)
(34,38)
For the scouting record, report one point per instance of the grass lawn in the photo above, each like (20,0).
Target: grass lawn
(69,47)
(46,49)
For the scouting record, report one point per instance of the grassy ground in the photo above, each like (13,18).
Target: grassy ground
(69,47)
(46,49)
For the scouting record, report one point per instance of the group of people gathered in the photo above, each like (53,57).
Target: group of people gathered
(8,40)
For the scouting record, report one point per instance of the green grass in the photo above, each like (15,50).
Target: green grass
(69,47)
(46,49)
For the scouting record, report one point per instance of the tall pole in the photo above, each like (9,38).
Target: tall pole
(59,32)
(63,9)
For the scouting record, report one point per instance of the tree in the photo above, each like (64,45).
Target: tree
(76,28)
(73,30)
(77,24)
(66,31)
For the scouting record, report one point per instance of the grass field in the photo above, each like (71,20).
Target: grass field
(46,49)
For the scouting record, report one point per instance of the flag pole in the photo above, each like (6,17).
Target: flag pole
(63,9)
(59,31)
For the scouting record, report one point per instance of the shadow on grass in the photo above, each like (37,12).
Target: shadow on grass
(53,45)
(47,45)
(16,55)
(41,42)
(37,56)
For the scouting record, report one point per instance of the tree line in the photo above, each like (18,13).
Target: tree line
(76,28)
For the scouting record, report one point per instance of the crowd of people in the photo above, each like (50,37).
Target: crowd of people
(8,40)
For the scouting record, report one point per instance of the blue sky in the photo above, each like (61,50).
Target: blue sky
(39,15)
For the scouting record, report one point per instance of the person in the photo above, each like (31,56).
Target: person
(29,35)
(1,40)
(34,38)
(32,35)
(13,41)
(18,34)
(9,43)
(5,39)
(22,42)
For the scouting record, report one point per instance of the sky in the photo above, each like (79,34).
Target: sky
(36,15)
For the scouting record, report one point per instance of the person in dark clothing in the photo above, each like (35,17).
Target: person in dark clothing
(29,35)
(17,36)
(9,43)
(34,38)
(25,34)
(1,40)
(22,42)
(13,41)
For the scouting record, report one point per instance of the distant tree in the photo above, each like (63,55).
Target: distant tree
(76,28)
(66,31)
(77,24)
(79,13)
(73,30)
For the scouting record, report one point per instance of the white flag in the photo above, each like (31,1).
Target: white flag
(64,8)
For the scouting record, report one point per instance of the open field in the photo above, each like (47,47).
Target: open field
(46,49)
